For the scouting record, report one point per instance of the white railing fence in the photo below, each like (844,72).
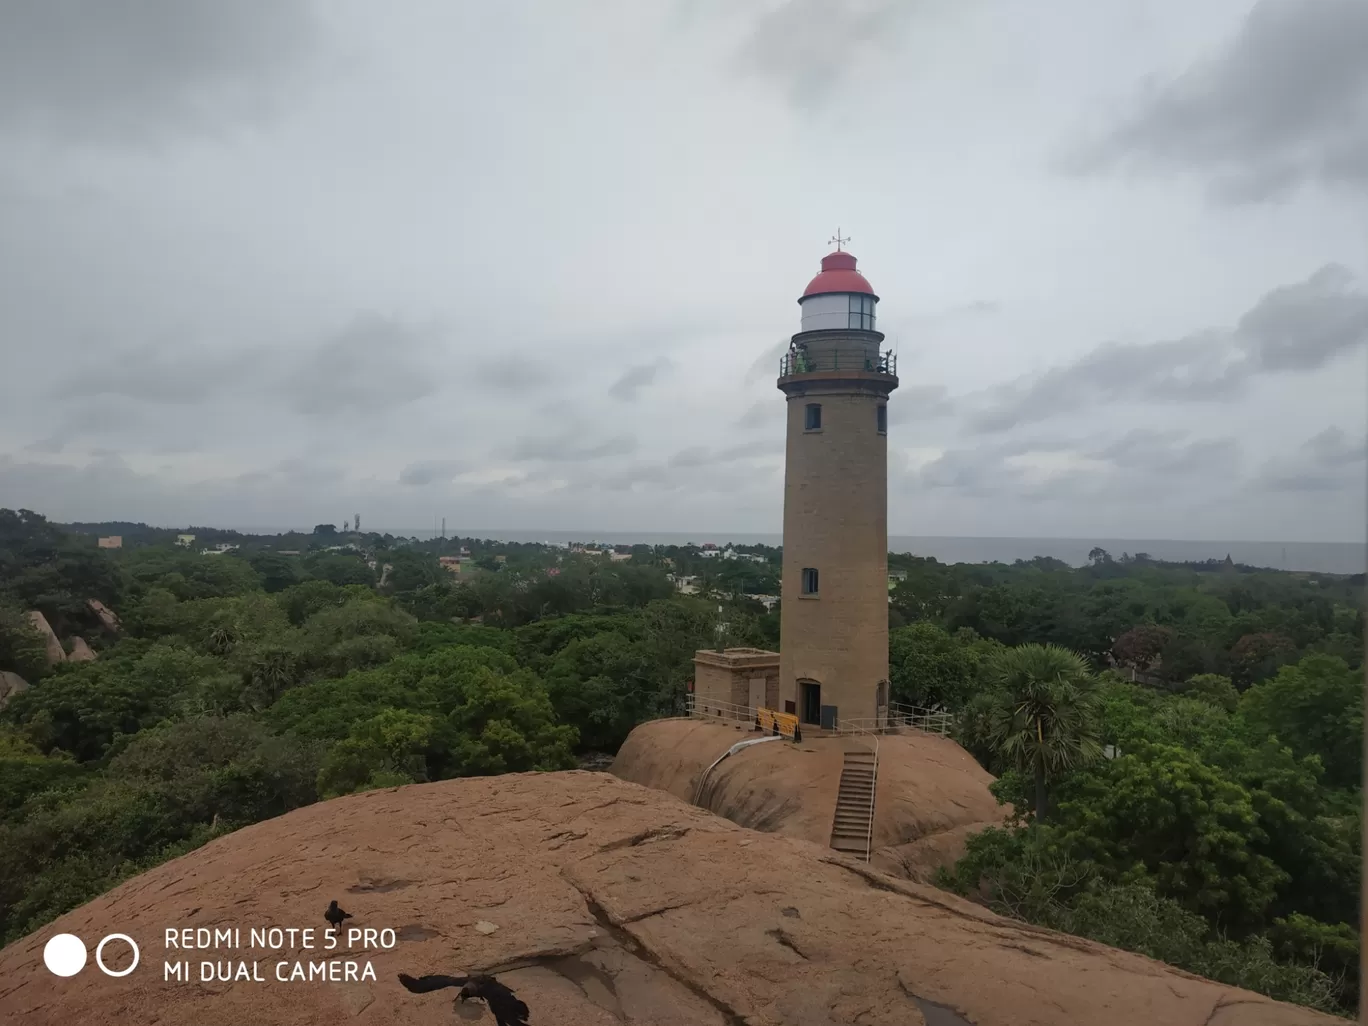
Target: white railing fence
(933,721)
(715,709)
(940,722)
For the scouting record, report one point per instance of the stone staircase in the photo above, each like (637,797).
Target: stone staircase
(850,833)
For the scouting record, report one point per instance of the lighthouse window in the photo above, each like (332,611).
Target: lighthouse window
(883,419)
(862,312)
(812,417)
(809,581)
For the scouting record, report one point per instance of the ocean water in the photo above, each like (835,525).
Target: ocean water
(1320,557)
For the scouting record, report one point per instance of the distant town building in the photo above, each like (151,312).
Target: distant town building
(185,540)
(451,564)
(113,541)
(619,557)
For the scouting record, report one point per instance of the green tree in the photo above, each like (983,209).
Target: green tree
(391,747)
(23,650)
(411,569)
(1160,812)
(1213,689)
(1046,718)
(277,572)
(928,667)
(1316,708)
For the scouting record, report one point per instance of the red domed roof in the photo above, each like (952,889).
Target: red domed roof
(838,274)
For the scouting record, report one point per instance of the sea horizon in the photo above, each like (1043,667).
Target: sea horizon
(1335,557)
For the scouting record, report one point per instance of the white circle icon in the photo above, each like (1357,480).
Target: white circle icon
(64,954)
(99,950)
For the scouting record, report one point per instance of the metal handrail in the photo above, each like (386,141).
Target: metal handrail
(933,721)
(854,727)
(800,361)
(719,710)
(703,777)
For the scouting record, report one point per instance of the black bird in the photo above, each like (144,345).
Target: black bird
(335,915)
(507,1009)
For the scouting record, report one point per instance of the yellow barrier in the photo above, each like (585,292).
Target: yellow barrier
(783,724)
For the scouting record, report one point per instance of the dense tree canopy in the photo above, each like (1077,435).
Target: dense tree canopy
(1181,745)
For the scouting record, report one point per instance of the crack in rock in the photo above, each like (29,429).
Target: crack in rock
(783,938)
(935,1013)
(669,832)
(633,945)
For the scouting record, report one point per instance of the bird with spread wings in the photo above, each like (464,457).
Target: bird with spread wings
(507,1009)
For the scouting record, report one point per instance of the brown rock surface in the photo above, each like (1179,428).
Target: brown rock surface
(55,652)
(931,794)
(613,903)
(80,651)
(10,685)
(109,620)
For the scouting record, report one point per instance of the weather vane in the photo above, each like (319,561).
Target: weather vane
(838,240)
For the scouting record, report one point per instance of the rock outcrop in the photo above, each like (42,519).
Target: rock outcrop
(930,797)
(109,620)
(10,685)
(599,902)
(55,652)
(80,651)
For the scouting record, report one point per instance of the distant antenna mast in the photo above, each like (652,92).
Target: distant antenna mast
(357,527)
(443,528)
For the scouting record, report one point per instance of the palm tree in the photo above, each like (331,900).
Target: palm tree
(1046,718)
(221,639)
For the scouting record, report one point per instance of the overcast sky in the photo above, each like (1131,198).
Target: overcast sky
(531,264)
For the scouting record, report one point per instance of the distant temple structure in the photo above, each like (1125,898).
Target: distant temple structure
(833,663)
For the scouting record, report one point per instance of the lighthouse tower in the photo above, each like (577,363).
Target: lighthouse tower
(833,660)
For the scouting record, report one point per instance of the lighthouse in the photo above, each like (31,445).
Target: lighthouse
(833,660)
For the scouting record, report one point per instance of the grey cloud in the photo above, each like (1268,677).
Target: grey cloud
(1168,454)
(426,472)
(762,414)
(694,456)
(1295,327)
(636,477)
(919,402)
(1333,448)
(634,379)
(134,71)
(809,46)
(702,456)
(513,374)
(1285,102)
(371,365)
(570,449)
(1304,326)
(766,365)
(1130,466)
(297,470)
(178,372)
(979,472)
(720,477)
(1327,462)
